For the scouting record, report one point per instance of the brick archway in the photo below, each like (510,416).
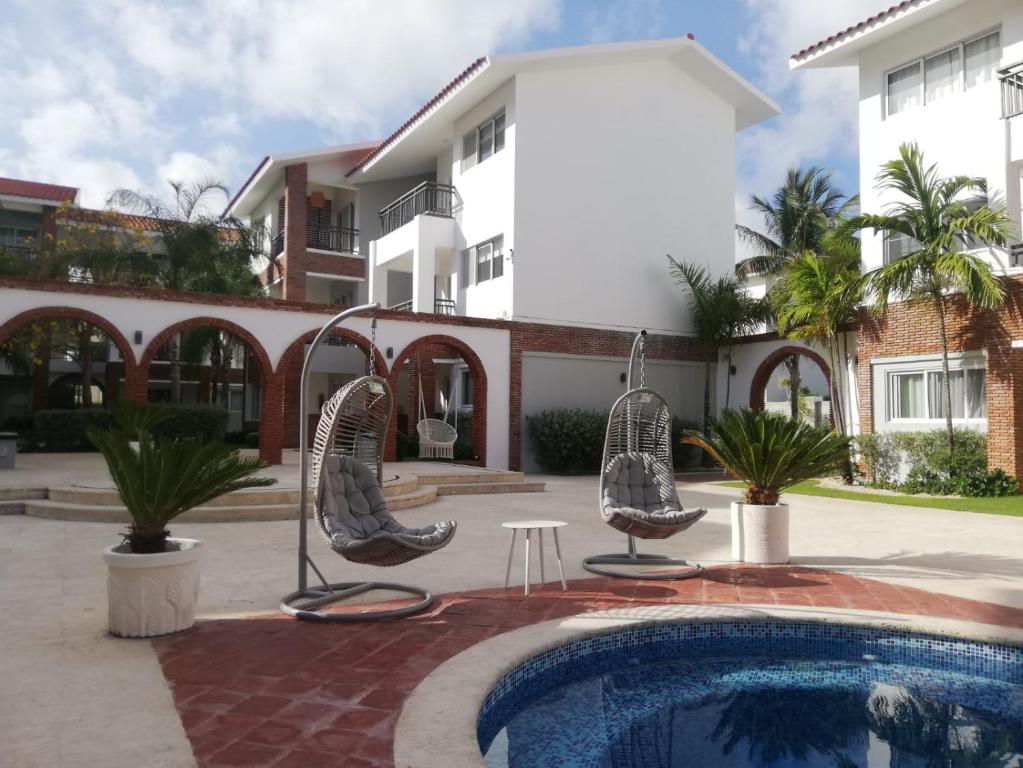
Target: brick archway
(479,393)
(131,371)
(289,374)
(269,429)
(762,377)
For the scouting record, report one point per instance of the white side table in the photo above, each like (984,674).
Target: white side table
(529,526)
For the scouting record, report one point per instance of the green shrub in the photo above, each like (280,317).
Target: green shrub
(61,430)
(931,469)
(463,443)
(684,455)
(252,439)
(408,446)
(205,423)
(568,441)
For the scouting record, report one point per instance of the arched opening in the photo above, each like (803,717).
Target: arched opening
(60,357)
(795,381)
(342,357)
(213,362)
(439,377)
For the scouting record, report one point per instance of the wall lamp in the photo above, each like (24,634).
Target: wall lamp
(138,337)
(390,353)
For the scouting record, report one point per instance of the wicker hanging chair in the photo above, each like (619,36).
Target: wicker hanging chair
(637,483)
(349,504)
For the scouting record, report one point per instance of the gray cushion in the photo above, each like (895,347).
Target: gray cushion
(640,482)
(353,507)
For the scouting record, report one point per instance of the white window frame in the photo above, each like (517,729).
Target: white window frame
(474,137)
(496,246)
(920,61)
(886,373)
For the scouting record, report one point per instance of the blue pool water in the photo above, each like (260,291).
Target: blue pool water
(763,693)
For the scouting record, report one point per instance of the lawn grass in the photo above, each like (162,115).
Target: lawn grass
(1001,505)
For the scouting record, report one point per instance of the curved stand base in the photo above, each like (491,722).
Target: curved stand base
(594,564)
(304,603)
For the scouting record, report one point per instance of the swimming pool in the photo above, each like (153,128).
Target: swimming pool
(764,693)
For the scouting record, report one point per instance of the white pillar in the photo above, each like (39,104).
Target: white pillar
(424,267)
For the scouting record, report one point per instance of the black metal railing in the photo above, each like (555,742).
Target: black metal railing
(443,306)
(402,306)
(1012,89)
(277,245)
(339,239)
(428,198)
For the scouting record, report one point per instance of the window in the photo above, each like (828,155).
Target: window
(982,57)
(898,246)
(489,259)
(928,79)
(483,141)
(904,89)
(920,394)
(18,237)
(466,389)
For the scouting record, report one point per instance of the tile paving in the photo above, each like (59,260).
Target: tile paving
(277,692)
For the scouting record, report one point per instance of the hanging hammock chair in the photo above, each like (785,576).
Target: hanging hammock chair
(637,483)
(436,437)
(349,504)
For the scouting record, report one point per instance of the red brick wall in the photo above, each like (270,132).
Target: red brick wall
(536,337)
(295,186)
(911,329)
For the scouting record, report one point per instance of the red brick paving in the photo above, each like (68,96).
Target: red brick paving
(278,692)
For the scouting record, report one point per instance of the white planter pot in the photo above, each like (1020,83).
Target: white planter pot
(760,533)
(155,594)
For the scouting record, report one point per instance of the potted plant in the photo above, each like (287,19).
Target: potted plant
(768,452)
(134,419)
(153,579)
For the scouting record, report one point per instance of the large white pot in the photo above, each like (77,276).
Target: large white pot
(760,533)
(154,594)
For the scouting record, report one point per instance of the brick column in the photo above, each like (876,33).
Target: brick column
(48,226)
(1005,410)
(292,379)
(41,382)
(295,191)
(391,439)
(136,384)
(515,403)
(271,423)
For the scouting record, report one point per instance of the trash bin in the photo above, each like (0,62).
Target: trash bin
(8,449)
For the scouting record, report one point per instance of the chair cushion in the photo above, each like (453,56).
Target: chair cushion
(639,481)
(352,502)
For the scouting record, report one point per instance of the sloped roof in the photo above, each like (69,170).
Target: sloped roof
(37,191)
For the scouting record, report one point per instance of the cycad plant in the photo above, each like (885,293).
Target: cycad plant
(942,228)
(768,451)
(166,477)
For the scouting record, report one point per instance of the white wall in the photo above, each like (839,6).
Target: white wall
(963,133)
(617,166)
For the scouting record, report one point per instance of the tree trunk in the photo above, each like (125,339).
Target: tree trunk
(85,363)
(792,365)
(837,403)
(174,356)
(706,394)
(728,379)
(946,384)
(225,370)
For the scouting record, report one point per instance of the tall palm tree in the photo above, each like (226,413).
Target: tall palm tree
(797,218)
(204,253)
(943,229)
(722,311)
(816,298)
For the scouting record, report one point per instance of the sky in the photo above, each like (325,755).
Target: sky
(130,93)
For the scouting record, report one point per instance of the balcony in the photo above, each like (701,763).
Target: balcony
(337,239)
(1011,78)
(277,245)
(429,198)
(440,307)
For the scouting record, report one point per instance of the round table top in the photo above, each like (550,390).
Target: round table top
(534,524)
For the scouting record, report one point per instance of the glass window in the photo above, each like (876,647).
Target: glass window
(237,398)
(897,246)
(936,394)
(904,88)
(486,140)
(941,74)
(981,59)
(910,400)
(497,260)
(499,132)
(483,253)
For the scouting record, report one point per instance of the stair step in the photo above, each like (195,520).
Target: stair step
(459,489)
(400,486)
(18,493)
(465,478)
(56,510)
(96,497)
(421,496)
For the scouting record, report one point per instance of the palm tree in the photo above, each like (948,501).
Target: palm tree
(816,298)
(797,218)
(723,311)
(204,253)
(942,230)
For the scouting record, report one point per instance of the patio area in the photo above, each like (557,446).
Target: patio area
(249,686)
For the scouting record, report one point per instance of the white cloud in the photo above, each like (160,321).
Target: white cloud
(819,123)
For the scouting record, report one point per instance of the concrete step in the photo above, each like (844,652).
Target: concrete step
(401,486)
(56,510)
(18,493)
(460,489)
(96,497)
(475,478)
(422,495)
(12,507)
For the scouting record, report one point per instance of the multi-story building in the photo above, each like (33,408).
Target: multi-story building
(947,74)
